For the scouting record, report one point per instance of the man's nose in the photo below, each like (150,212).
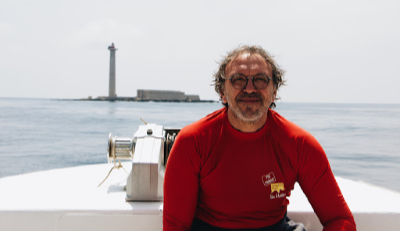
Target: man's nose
(249,88)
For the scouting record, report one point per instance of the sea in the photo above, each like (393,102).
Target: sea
(362,141)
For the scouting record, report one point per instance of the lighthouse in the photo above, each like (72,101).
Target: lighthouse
(111,87)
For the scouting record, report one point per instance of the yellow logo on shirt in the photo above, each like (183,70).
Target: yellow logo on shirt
(277,187)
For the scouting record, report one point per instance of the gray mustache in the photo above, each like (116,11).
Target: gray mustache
(251,95)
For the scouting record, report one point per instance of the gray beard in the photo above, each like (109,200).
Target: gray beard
(247,117)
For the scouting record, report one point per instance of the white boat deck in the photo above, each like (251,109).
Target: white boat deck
(69,199)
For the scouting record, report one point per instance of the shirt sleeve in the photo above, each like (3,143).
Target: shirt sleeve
(319,185)
(181,184)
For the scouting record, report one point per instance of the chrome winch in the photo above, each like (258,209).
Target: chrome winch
(149,150)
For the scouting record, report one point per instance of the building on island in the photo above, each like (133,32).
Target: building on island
(192,98)
(142,94)
(165,95)
(111,84)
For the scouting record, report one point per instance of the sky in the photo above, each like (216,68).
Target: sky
(332,51)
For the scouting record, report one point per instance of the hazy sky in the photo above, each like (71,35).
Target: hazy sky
(332,51)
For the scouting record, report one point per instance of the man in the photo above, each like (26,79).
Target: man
(235,168)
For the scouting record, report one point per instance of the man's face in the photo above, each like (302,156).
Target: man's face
(249,104)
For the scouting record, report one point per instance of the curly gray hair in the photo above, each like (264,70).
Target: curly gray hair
(219,76)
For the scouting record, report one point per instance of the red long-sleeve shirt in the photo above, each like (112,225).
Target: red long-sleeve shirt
(232,179)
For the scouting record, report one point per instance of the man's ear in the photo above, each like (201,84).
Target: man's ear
(223,98)
(222,94)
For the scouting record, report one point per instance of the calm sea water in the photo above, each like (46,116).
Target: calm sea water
(362,141)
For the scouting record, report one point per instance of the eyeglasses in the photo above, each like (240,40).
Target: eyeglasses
(240,81)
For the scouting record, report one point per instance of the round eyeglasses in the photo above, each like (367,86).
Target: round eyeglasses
(240,81)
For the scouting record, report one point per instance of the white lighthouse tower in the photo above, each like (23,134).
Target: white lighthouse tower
(111,88)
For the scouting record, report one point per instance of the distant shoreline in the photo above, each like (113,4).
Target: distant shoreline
(395,104)
(135,99)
